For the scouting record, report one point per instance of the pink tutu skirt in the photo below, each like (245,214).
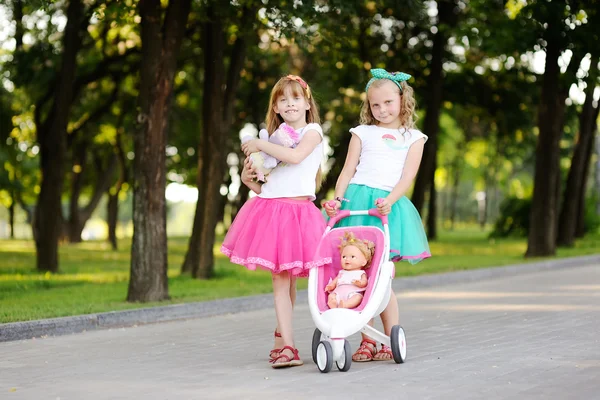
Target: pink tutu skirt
(277,235)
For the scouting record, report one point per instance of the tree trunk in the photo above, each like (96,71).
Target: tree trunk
(113,193)
(215,152)
(542,231)
(73,225)
(217,119)
(431,124)
(18,17)
(574,194)
(78,217)
(52,139)
(112,212)
(454,194)
(432,212)
(580,228)
(160,47)
(211,161)
(457,165)
(11,214)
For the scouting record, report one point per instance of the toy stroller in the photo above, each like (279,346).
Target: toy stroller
(329,341)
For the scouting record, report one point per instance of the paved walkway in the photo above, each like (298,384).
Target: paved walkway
(532,336)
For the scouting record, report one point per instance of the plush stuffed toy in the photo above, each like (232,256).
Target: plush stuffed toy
(285,136)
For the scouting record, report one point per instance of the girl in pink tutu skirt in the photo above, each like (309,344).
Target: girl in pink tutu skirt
(279,229)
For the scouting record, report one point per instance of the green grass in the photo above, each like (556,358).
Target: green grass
(93,278)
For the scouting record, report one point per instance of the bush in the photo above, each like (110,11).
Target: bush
(591,221)
(514,218)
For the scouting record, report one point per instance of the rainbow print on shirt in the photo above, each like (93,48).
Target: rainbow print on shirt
(392,142)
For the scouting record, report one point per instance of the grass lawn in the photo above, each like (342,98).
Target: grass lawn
(93,278)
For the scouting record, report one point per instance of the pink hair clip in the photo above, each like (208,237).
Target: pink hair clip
(301,82)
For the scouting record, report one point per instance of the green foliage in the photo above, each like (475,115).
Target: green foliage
(591,222)
(514,218)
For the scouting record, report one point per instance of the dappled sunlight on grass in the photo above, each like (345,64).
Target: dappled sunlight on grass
(97,277)
(93,278)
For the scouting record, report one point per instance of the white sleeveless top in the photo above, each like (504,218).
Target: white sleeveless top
(382,155)
(295,180)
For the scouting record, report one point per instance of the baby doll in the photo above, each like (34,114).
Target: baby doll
(345,291)
(285,136)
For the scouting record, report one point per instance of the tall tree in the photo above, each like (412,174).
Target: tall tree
(52,133)
(160,47)
(447,17)
(575,189)
(217,114)
(544,210)
(81,146)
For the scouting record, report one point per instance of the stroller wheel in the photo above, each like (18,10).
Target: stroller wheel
(346,359)
(324,356)
(398,344)
(315,343)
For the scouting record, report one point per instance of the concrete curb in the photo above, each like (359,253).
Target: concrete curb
(115,319)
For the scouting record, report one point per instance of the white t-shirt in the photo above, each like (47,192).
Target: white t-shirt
(295,180)
(382,155)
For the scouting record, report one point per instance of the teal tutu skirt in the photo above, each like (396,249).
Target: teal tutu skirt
(408,241)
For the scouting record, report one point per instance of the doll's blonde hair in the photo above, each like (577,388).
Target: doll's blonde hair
(298,86)
(365,246)
(408,104)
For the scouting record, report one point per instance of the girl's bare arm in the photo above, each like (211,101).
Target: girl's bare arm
(308,143)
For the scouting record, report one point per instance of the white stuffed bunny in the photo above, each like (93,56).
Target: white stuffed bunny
(285,136)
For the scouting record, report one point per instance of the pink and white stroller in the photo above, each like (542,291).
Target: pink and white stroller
(329,341)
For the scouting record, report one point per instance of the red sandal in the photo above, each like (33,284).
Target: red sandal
(285,360)
(384,350)
(365,350)
(275,352)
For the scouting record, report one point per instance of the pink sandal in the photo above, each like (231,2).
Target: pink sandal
(365,350)
(285,360)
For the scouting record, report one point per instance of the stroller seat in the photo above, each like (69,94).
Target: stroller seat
(329,248)
(335,325)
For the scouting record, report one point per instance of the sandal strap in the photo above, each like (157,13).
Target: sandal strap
(365,352)
(277,334)
(364,345)
(385,349)
(290,348)
(368,341)
(287,358)
(274,353)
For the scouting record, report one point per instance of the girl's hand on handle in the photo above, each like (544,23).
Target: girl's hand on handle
(383,206)
(249,171)
(332,207)
(250,147)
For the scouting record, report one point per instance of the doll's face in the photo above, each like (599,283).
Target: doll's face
(353,258)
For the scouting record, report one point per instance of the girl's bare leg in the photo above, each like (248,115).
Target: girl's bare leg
(389,317)
(278,340)
(283,309)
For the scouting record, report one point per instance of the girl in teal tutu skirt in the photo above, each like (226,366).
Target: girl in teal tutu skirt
(382,162)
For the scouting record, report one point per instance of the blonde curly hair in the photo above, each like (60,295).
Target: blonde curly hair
(408,105)
(365,246)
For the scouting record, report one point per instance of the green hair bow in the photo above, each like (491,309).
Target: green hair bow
(380,73)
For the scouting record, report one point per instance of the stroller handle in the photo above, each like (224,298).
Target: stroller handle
(346,213)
